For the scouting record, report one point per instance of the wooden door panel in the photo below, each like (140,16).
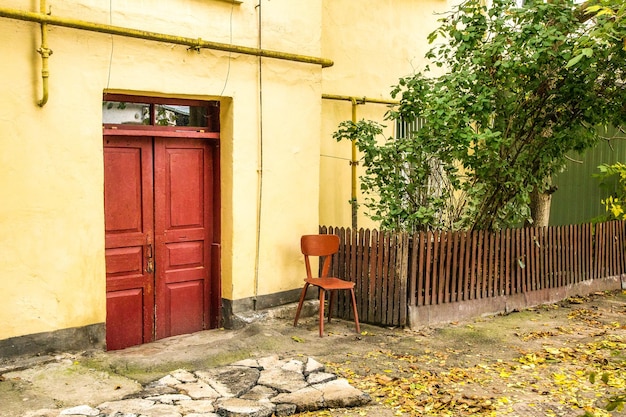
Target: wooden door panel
(185,261)
(186,301)
(185,254)
(183,235)
(129,231)
(186,188)
(127,319)
(123,190)
(124,266)
(124,260)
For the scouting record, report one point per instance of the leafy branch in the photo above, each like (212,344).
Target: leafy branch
(515,100)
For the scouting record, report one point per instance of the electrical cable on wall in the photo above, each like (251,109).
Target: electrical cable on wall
(232,7)
(335,157)
(260,167)
(111,55)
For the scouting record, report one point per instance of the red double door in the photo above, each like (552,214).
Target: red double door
(160,239)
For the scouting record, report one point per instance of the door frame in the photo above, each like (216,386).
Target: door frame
(209,133)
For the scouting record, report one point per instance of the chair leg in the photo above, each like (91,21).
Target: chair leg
(322,296)
(306,286)
(356,315)
(331,296)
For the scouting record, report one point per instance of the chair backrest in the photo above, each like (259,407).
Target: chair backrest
(323,246)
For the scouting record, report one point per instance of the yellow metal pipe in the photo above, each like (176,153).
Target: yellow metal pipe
(45,53)
(360,100)
(353,164)
(159,37)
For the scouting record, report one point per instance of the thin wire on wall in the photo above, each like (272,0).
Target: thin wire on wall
(111,55)
(232,7)
(335,157)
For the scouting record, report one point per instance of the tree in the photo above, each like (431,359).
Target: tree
(522,87)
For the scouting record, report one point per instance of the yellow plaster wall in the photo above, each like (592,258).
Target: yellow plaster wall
(373,44)
(285,172)
(51,187)
(52,265)
(290,175)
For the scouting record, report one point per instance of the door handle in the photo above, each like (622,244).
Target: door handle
(150,266)
(149,256)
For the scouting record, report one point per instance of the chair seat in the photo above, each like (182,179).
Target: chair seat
(330,283)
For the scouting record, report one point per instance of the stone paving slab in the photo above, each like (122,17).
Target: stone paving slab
(265,387)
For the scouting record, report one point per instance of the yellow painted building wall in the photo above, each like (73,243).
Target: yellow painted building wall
(52,265)
(373,43)
(282,174)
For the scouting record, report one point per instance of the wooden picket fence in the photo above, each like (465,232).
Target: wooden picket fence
(393,271)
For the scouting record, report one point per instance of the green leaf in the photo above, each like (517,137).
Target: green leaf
(594,8)
(612,405)
(575,60)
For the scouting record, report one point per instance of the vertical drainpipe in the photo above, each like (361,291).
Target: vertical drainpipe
(257,254)
(45,53)
(353,165)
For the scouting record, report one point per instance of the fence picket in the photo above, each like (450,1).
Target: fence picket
(404,269)
(598,251)
(380,289)
(589,250)
(569,257)
(371,296)
(454,266)
(621,246)
(362,285)
(614,248)
(428,241)
(420,275)
(492,264)
(473,294)
(536,254)
(507,263)
(411,279)
(553,259)
(390,277)
(443,267)
(525,264)
(352,263)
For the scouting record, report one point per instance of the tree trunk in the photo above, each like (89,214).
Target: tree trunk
(540,207)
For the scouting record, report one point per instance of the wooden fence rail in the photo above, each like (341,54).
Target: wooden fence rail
(393,271)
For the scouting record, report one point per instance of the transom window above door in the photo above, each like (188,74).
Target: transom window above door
(128,113)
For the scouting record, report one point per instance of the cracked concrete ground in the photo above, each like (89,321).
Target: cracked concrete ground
(71,379)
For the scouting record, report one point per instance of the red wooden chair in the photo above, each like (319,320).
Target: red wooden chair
(324,246)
